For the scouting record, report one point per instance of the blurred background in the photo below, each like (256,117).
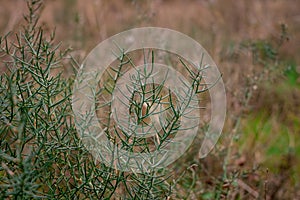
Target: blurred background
(256,45)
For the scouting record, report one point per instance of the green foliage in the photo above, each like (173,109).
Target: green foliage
(41,155)
(292,75)
(258,131)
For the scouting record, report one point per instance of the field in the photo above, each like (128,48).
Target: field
(255,45)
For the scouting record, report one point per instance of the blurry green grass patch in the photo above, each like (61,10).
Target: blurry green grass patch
(265,138)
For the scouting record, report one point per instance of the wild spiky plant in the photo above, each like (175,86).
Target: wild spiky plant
(42,155)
